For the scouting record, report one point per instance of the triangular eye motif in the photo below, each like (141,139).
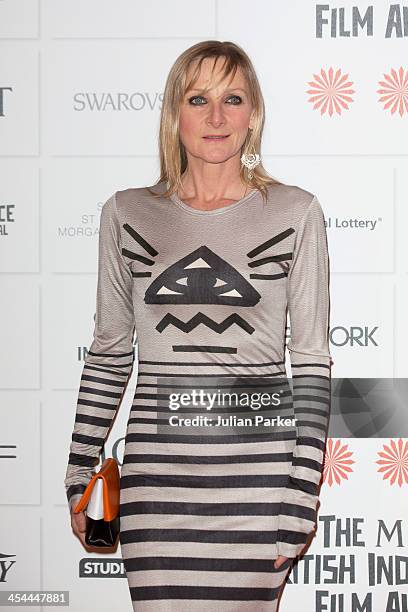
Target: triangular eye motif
(198,263)
(201,277)
(220,283)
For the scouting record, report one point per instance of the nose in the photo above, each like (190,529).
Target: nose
(215,114)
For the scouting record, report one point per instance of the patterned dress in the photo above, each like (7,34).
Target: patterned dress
(223,452)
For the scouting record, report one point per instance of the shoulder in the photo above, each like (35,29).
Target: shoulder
(300,205)
(122,204)
(296,201)
(131,197)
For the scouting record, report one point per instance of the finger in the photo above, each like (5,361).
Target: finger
(82,522)
(79,521)
(82,538)
(278,562)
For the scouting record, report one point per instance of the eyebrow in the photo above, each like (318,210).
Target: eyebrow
(226,91)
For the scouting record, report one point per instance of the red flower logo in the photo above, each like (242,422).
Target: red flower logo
(394,464)
(337,462)
(395,91)
(330,91)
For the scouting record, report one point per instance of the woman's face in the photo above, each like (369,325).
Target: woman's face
(224,111)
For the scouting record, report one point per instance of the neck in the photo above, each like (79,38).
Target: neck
(212,182)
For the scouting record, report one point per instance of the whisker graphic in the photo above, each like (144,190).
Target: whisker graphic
(143,243)
(141,274)
(265,245)
(264,260)
(178,348)
(141,258)
(268,276)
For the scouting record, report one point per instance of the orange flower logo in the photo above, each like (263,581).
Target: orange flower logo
(394,463)
(331,92)
(395,91)
(337,462)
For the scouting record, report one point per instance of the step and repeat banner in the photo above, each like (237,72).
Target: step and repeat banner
(81,87)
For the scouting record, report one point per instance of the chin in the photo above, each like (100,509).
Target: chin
(217,158)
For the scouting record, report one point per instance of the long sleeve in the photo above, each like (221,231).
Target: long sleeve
(308,305)
(109,361)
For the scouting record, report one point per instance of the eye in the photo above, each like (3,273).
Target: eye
(236,98)
(195,98)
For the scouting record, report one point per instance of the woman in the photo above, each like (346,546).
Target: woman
(204,266)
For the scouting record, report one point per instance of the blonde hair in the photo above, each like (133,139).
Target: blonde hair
(173,159)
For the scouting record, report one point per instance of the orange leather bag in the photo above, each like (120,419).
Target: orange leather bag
(101,502)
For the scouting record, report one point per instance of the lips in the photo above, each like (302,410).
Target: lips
(216,137)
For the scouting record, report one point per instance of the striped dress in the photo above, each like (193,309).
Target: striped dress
(223,451)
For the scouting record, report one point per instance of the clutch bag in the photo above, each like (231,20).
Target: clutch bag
(101,502)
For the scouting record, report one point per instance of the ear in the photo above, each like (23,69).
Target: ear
(251,121)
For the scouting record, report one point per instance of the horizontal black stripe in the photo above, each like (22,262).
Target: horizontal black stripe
(116,355)
(231,427)
(312,424)
(237,410)
(233,391)
(88,402)
(207,459)
(312,385)
(105,381)
(216,375)
(309,441)
(166,421)
(100,392)
(215,439)
(214,536)
(298,484)
(92,420)
(292,537)
(75,489)
(309,411)
(313,376)
(257,384)
(211,363)
(246,481)
(310,364)
(104,369)
(164,592)
(204,564)
(310,393)
(92,440)
(307,463)
(83,460)
(217,509)
(116,365)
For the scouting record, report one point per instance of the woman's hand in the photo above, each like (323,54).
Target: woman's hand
(278,562)
(78,524)
(281,559)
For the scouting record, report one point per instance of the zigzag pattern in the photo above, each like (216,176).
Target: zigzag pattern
(188,326)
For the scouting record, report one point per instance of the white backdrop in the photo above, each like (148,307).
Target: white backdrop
(81,85)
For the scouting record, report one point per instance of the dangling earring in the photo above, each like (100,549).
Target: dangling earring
(250,160)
